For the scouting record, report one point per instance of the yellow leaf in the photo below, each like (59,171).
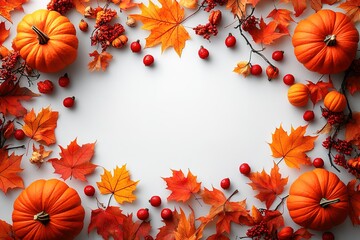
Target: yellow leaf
(120,185)
(242,68)
(237,7)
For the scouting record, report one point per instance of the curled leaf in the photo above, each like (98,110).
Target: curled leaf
(242,68)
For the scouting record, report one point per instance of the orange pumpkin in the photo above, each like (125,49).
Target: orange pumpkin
(335,101)
(298,94)
(48,210)
(326,42)
(46,40)
(318,200)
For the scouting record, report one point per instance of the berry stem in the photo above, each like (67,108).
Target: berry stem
(281,202)
(16,147)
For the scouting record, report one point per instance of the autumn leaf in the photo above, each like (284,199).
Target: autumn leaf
(167,231)
(354,202)
(293,147)
(301,5)
(75,161)
(41,126)
(253,2)
(282,16)
(182,187)
(186,228)
(353,84)
(222,210)
(352,129)
(318,90)
(164,25)
(11,96)
(191,4)
(39,155)
(301,234)
(269,186)
(4,33)
(120,185)
(6,232)
(242,68)
(218,237)
(268,33)
(7,6)
(100,61)
(137,230)
(80,5)
(125,4)
(352,9)
(9,171)
(274,220)
(237,7)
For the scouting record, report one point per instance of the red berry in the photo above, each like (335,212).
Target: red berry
(289,79)
(225,183)
(272,72)
(308,115)
(148,60)
(166,213)
(45,87)
(19,134)
(245,168)
(256,69)
(318,162)
(203,53)
(328,236)
(64,81)
(278,55)
(89,190)
(155,201)
(142,213)
(69,102)
(230,41)
(135,46)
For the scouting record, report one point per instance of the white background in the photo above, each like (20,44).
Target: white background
(182,113)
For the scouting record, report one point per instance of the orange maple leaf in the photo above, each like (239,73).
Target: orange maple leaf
(80,5)
(269,186)
(164,25)
(353,84)
(301,5)
(120,185)
(11,96)
(100,61)
(125,4)
(9,170)
(222,210)
(7,6)
(182,187)
(75,161)
(292,148)
(4,33)
(6,232)
(282,16)
(237,7)
(267,33)
(39,154)
(318,90)
(186,228)
(352,9)
(352,130)
(354,202)
(41,127)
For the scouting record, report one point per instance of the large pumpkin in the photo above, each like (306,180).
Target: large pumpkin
(326,42)
(318,200)
(46,40)
(48,210)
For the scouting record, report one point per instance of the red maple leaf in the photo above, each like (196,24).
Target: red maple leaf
(4,33)
(11,96)
(182,187)
(75,161)
(6,232)
(167,232)
(9,170)
(135,230)
(282,16)
(319,90)
(354,203)
(267,33)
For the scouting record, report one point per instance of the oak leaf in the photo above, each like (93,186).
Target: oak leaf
(6,232)
(353,84)
(75,161)
(318,90)
(4,33)
(9,171)
(7,6)
(182,187)
(354,202)
(352,9)
(41,127)
(137,230)
(164,24)
(39,155)
(167,232)
(352,130)
(293,147)
(11,96)
(268,33)
(186,228)
(100,61)
(222,210)
(243,68)
(237,7)
(282,16)
(120,185)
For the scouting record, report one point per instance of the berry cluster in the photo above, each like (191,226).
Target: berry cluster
(61,6)
(211,4)
(259,231)
(333,117)
(105,34)
(206,30)
(104,17)
(249,23)
(9,63)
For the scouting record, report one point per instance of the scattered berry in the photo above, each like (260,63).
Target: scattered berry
(89,190)
(272,72)
(328,236)
(318,162)
(83,25)
(225,183)
(289,79)
(69,102)
(278,55)
(203,53)
(308,115)
(142,214)
(148,60)
(166,213)
(244,169)
(230,41)
(256,69)
(155,201)
(64,81)
(45,87)
(135,46)
(19,134)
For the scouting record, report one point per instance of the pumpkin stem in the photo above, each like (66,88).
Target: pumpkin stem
(330,40)
(42,217)
(42,37)
(324,202)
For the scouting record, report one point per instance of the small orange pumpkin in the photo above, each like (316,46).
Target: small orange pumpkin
(48,210)
(46,40)
(298,94)
(335,101)
(326,42)
(318,200)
